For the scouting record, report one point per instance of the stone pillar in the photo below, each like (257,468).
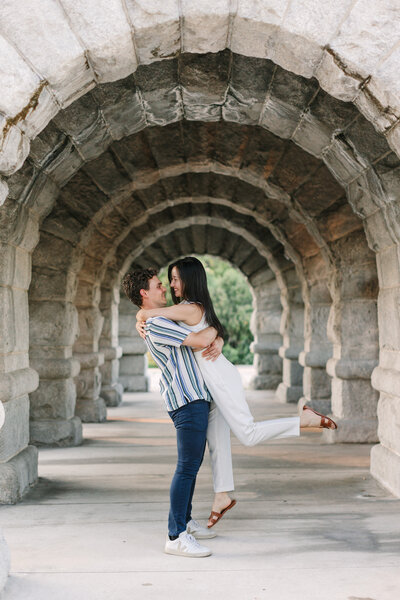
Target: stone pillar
(265,322)
(18,460)
(53,330)
(385,457)
(133,363)
(90,407)
(353,328)
(317,346)
(111,388)
(292,328)
(4,561)
(4,551)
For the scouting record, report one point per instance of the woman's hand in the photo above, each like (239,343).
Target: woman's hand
(140,315)
(213,350)
(140,328)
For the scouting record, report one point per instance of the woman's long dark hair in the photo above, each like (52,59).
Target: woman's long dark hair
(195,289)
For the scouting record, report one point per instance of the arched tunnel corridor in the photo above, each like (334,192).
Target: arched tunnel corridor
(133,133)
(204,153)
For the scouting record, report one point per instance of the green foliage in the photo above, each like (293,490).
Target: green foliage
(232,301)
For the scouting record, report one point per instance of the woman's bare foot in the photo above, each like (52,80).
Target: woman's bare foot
(221,501)
(311,418)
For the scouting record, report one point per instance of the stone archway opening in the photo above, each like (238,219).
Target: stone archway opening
(269,156)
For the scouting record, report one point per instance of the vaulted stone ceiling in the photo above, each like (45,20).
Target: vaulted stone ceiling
(215,153)
(218,122)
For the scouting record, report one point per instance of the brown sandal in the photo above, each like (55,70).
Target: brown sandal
(216,516)
(326,422)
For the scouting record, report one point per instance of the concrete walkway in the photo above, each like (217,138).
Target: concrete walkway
(310,523)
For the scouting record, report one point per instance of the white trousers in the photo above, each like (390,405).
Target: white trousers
(230,411)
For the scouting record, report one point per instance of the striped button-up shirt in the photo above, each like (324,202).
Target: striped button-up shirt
(181,381)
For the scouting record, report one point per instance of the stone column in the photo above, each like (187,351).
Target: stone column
(265,322)
(53,330)
(385,457)
(317,346)
(111,388)
(353,329)
(133,363)
(18,460)
(90,407)
(4,551)
(292,330)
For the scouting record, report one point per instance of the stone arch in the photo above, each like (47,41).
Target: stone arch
(380,223)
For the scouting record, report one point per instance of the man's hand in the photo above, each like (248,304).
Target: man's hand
(140,328)
(213,350)
(140,316)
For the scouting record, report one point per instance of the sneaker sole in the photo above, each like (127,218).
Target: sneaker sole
(187,554)
(204,536)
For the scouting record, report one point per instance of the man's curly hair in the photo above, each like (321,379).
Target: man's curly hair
(137,280)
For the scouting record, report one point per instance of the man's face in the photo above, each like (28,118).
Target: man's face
(155,296)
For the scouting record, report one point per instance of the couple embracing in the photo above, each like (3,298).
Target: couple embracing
(203,393)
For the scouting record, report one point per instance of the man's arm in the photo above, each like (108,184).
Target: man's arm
(201,339)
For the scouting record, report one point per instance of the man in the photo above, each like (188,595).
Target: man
(187,400)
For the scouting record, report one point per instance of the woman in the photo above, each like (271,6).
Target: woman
(193,308)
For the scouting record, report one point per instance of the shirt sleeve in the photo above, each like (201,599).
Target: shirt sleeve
(166,332)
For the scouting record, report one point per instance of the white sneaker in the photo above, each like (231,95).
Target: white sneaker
(199,532)
(186,545)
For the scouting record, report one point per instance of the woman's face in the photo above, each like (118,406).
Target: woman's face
(176,283)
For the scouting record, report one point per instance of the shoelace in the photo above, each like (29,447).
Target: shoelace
(190,542)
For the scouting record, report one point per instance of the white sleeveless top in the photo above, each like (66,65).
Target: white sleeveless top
(202,324)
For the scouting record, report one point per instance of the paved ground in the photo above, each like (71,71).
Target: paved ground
(310,523)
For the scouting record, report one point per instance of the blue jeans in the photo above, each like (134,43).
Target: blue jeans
(191,423)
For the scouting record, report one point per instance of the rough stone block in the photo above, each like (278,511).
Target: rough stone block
(255,26)
(58,45)
(132,364)
(352,430)
(91,410)
(7,340)
(389,328)
(135,383)
(17,475)
(385,467)
(56,432)
(354,398)
(52,323)
(112,394)
(266,381)
(18,80)
(16,383)
(157,31)
(7,262)
(131,345)
(54,399)
(14,148)
(21,319)
(4,561)
(110,48)
(334,80)
(88,383)
(379,35)
(389,415)
(288,394)
(205,25)
(316,383)
(292,372)
(14,435)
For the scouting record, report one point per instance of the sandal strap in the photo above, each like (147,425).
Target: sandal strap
(214,515)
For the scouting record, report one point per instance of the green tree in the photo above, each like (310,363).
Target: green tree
(232,301)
